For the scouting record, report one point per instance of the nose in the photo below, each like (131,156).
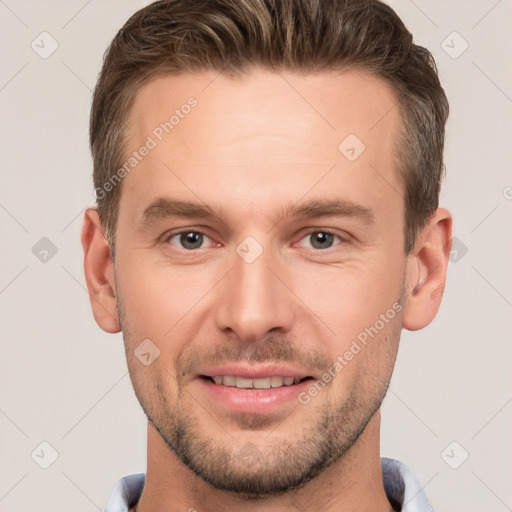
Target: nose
(254,299)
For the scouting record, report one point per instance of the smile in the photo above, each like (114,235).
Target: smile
(257,383)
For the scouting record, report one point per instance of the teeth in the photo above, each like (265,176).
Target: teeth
(276,382)
(229,381)
(241,382)
(263,383)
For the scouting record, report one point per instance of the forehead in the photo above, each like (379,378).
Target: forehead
(263,134)
(264,104)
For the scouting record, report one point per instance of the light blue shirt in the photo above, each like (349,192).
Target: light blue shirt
(402,489)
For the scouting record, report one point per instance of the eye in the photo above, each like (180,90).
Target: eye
(188,240)
(320,239)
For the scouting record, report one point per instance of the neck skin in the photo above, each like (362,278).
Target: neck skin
(354,482)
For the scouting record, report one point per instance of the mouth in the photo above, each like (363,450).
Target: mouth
(243,387)
(272,382)
(252,389)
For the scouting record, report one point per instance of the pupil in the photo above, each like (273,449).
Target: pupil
(191,240)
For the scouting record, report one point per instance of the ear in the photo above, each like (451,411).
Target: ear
(99,272)
(426,271)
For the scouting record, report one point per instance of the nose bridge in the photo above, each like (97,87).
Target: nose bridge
(253,299)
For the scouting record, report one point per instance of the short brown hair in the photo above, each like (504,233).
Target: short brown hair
(176,36)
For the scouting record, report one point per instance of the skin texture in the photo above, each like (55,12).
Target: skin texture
(249,155)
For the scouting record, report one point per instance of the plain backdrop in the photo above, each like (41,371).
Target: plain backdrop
(448,413)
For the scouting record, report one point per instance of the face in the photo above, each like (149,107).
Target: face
(260,251)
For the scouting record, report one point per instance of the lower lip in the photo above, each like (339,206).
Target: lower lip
(253,400)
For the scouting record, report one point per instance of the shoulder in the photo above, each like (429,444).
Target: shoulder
(402,487)
(126,493)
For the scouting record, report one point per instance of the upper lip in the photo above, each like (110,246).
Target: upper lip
(251,371)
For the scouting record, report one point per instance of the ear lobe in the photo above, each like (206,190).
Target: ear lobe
(99,272)
(426,271)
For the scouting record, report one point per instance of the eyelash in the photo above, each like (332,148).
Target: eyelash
(309,233)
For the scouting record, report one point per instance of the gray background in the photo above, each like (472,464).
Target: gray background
(63,381)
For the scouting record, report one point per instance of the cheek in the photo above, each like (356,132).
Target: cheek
(349,299)
(373,349)
(153,385)
(156,298)
(358,319)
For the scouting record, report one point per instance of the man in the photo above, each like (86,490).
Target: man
(267,175)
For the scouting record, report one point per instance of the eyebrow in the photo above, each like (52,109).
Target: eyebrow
(325,208)
(163,208)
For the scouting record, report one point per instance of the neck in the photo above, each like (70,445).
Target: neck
(352,482)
